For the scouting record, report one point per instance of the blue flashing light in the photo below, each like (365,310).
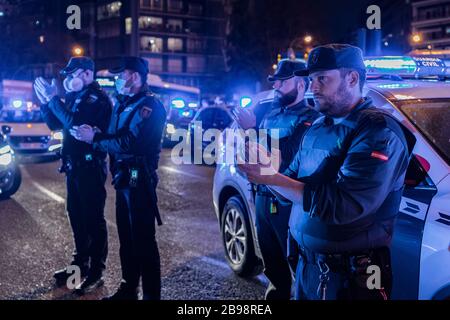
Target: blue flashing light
(395,86)
(390,65)
(178,103)
(245,102)
(106,82)
(187,114)
(17,104)
(405,66)
(193,105)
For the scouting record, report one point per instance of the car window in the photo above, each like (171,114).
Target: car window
(20,116)
(206,116)
(222,119)
(432,118)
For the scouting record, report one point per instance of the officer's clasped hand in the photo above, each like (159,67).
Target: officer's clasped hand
(45,91)
(260,165)
(245,118)
(84,133)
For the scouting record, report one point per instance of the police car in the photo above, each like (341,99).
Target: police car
(417,92)
(30,137)
(10,176)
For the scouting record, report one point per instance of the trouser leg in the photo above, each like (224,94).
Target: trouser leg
(272,239)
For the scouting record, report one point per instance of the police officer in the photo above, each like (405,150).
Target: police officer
(85,168)
(133,142)
(287,121)
(346,181)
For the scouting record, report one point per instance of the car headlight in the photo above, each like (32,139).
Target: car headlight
(58,135)
(170,128)
(5,159)
(5,155)
(5,149)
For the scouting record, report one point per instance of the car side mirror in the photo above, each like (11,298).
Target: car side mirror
(6,130)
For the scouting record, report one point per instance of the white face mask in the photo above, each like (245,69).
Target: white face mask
(124,87)
(73,84)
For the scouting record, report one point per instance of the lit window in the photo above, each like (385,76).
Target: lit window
(151,44)
(128,25)
(174,44)
(111,10)
(150,23)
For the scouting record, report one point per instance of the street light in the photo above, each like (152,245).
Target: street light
(416,38)
(77,51)
(307,39)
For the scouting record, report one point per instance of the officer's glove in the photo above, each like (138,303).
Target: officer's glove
(39,95)
(44,90)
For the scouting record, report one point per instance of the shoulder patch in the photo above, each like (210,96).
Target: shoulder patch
(92,98)
(145,112)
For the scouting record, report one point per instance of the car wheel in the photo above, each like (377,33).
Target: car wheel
(237,239)
(10,181)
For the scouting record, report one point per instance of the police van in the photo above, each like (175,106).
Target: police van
(416,91)
(30,137)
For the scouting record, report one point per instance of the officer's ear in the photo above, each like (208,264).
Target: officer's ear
(301,86)
(352,79)
(136,77)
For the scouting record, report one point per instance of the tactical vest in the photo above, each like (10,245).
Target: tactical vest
(323,152)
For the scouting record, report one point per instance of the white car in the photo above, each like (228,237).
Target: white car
(421,244)
(31,140)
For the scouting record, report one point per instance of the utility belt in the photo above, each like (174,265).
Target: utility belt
(354,265)
(134,173)
(70,163)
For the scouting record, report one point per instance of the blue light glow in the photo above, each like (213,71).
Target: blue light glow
(245,101)
(193,105)
(17,104)
(178,103)
(390,65)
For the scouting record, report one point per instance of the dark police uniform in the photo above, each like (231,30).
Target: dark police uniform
(133,142)
(86,173)
(353,170)
(272,216)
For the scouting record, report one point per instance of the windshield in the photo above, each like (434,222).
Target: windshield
(432,118)
(20,116)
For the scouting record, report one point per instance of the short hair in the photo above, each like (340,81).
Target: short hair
(361,73)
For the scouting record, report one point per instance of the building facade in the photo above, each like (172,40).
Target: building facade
(183,41)
(431,24)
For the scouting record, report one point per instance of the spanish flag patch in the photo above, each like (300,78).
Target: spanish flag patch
(379,155)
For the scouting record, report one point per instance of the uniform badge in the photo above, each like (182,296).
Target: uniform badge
(145,112)
(92,98)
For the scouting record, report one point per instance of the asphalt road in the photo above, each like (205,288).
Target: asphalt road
(36,240)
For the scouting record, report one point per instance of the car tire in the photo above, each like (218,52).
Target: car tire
(14,186)
(237,239)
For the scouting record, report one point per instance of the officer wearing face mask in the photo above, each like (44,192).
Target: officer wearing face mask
(85,168)
(287,121)
(133,142)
